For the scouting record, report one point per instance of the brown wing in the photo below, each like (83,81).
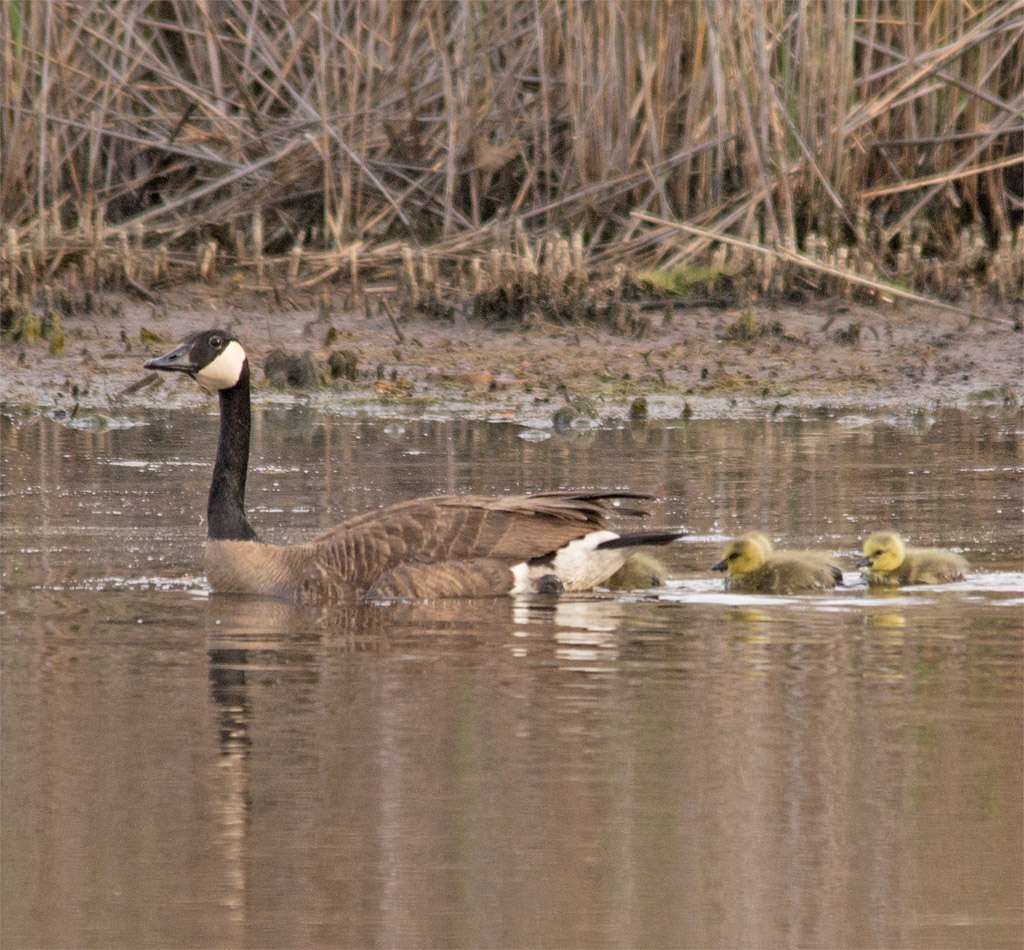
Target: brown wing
(483,577)
(458,529)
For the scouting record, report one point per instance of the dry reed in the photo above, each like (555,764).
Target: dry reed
(291,144)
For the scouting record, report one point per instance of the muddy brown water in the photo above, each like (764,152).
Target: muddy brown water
(680,768)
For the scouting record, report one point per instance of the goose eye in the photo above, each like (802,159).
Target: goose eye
(216,342)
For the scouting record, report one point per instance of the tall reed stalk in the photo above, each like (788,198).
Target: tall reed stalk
(352,130)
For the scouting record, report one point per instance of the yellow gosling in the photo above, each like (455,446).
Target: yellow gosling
(640,571)
(769,548)
(759,537)
(888,562)
(750,568)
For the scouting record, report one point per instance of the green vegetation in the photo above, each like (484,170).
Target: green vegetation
(53,332)
(149,337)
(683,281)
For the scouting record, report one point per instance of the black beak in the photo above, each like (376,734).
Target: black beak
(863,562)
(176,361)
(720,566)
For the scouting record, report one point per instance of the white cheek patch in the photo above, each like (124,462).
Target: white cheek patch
(225,371)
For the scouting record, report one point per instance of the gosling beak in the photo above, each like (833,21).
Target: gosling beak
(720,566)
(863,562)
(176,361)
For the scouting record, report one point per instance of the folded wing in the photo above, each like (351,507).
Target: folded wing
(462,544)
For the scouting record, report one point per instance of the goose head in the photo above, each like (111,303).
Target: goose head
(742,556)
(213,358)
(883,552)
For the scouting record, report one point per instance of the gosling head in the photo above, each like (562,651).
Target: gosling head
(213,358)
(742,556)
(883,552)
(759,537)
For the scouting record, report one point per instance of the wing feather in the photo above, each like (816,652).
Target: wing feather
(460,530)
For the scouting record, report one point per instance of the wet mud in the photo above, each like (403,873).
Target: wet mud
(681,361)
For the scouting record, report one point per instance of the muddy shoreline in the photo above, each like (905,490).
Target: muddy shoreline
(700,361)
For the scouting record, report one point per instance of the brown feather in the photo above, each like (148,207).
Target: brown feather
(462,528)
(484,577)
(448,546)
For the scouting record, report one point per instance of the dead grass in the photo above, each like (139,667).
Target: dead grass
(291,145)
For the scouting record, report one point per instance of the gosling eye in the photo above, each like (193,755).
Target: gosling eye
(733,556)
(877,554)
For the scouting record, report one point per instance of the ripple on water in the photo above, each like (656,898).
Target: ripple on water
(668,738)
(86,421)
(854,595)
(190,584)
(534,435)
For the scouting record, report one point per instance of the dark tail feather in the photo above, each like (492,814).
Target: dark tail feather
(597,498)
(594,495)
(640,538)
(630,512)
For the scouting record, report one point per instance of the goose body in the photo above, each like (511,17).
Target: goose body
(888,562)
(448,546)
(752,565)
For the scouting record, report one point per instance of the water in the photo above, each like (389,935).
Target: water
(681,768)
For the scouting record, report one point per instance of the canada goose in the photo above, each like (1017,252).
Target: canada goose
(753,569)
(887,562)
(430,547)
(640,570)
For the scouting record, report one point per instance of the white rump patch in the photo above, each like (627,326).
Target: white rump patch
(578,565)
(521,578)
(224,371)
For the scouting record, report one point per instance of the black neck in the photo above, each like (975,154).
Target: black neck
(225,510)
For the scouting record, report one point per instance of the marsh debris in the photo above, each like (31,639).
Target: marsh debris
(289,371)
(848,335)
(638,409)
(343,364)
(747,327)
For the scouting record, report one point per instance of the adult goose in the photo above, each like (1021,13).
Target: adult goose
(448,546)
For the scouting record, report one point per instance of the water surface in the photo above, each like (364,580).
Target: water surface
(675,768)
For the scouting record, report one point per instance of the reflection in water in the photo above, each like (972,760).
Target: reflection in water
(678,768)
